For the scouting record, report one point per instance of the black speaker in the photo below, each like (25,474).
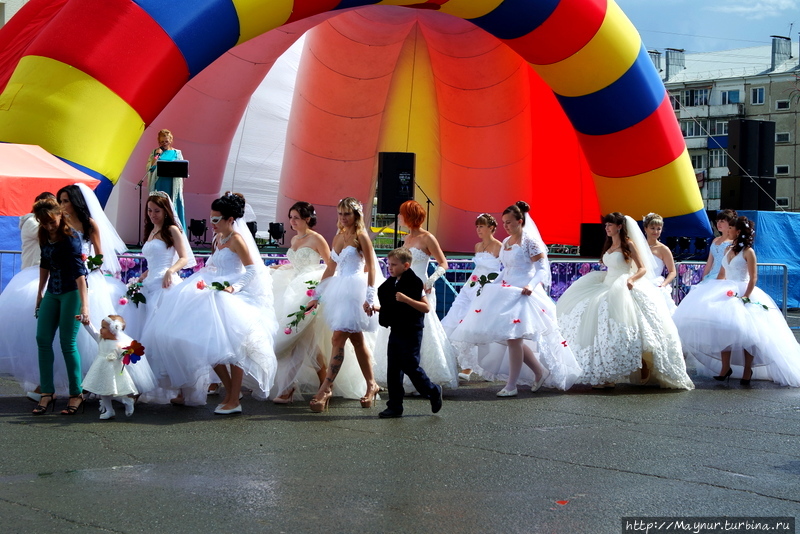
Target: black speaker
(395,180)
(766,149)
(593,236)
(766,193)
(743,147)
(739,193)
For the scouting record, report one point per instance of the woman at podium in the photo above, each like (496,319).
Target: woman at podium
(171,186)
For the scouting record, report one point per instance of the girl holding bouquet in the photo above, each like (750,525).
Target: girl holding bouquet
(222,317)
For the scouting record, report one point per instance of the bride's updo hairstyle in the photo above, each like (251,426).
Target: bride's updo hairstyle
(413,213)
(229,205)
(305,211)
(653,218)
(487,220)
(618,219)
(747,234)
(518,210)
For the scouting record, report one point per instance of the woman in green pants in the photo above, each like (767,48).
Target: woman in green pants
(63,272)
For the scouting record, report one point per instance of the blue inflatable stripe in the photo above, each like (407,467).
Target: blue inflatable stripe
(624,103)
(202,30)
(690,225)
(103,189)
(516,18)
(346,4)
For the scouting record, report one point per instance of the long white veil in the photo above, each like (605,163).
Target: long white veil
(532,231)
(110,241)
(637,237)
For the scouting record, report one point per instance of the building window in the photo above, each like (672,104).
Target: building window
(782,137)
(781,169)
(730,97)
(782,202)
(675,100)
(714,188)
(695,97)
(698,161)
(757,95)
(694,128)
(781,104)
(717,158)
(721,128)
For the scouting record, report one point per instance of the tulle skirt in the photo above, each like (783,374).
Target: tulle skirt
(501,312)
(612,329)
(195,329)
(711,319)
(343,298)
(466,353)
(19,355)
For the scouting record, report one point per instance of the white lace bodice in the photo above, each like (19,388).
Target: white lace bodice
(736,268)
(617,266)
(159,259)
(419,263)
(518,269)
(349,262)
(227,262)
(304,259)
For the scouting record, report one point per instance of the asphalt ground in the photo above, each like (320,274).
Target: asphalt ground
(557,462)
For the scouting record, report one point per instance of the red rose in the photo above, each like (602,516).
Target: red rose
(201,284)
(730,293)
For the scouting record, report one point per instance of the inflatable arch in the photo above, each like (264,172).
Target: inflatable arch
(83,78)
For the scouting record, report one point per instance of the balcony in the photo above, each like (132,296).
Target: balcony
(726,110)
(696,142)
(689,112)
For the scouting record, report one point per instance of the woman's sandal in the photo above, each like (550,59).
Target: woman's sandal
(73,409)
(41,409)
(368,400)
(319,406)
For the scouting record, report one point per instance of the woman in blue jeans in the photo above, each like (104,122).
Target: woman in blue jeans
(63,273)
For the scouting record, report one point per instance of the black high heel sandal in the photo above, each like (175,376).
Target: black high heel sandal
(41,409)
(72,410)
(726,377)
(746,382)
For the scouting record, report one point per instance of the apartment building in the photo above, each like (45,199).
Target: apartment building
(710,89)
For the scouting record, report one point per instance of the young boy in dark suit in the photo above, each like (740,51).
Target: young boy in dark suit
(403,306)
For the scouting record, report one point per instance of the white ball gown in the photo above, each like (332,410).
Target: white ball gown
(711,319)
(501,312)
(437,354)
(467,353)
(297,350)
(612,328)
(666,291)
(195,329)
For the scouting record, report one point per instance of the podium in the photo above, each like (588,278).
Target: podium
(178,168)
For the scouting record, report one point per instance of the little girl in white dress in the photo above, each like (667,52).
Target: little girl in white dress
(487,265)
(108,377)
(732,321)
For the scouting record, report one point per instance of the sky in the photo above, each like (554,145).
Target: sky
(712,25)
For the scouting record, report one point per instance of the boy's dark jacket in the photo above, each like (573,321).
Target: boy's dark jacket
(396,314)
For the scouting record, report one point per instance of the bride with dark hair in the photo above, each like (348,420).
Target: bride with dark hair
(616,322)
(220,317)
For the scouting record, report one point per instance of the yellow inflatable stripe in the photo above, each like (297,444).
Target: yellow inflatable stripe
(260,16)
(605,58)
(469,9)
(415,129)
(69,114)
(672,188)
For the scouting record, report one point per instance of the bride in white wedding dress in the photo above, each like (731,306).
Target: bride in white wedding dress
(617,323)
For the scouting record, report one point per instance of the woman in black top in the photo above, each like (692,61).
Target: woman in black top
(63,273)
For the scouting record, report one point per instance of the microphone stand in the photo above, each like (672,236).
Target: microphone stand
(139,187)
(428,203)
